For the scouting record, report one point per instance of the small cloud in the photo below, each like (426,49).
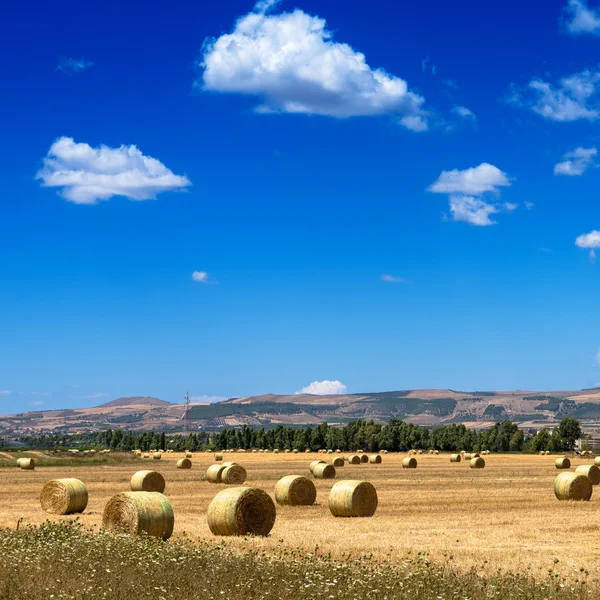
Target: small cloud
(464,112)
(202,277)
(73,66)
(414,123)
(205,398)
(36,403)
(576,162)
(95,396)
(589,241)
(5,392)
(86,175)
(528,205)
(323,388)
(393,279)
(581,19)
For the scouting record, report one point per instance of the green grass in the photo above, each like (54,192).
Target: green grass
(64,561)
(66,460)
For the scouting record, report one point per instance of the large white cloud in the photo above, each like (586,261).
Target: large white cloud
(589,241)
(580,18)
(570,99)
(86,175)
(291,62)
(576,162)
(466,190)
(325,387)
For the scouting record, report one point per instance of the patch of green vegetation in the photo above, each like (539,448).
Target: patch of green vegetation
(588,411)
(64,561)
(493,410)
(552,406)
(220,410)
(402,407)
(66,460)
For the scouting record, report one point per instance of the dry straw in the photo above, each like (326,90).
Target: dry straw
(409,463)
(338,461)
(157,455)
(27,464)
(295,490)
(218,456)
(572,486)
(477,463)
(562,463)
(189,455)
(241,511)
(364,458)
(148,481)
(139,512)
(233,475)
(353,499)
(324,471)
(184,463)
(592,472)
(455,458)
(64,497)
(314,463)
(354,459)
(375,459)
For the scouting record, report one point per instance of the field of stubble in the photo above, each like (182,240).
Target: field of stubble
(505,514)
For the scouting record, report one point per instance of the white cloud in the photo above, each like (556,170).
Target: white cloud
(393,279)
(72,66)
(463,111)
(5,392)
(466,188)
(86,175)
(206,398)
(325,387)
(571,99)
(291,62)
(580,18)
(528,205)
(589,241)
(576,162)
(202,277)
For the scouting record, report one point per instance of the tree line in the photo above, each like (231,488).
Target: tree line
(395,436)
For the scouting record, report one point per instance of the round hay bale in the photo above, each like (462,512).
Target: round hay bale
(189,455)
(364,458)
(276,451)
(572,486)
(255,450)
(436,451)
(26,464)
(466,456)
(562,463)
(184,463)
(477,463)
(314,463)
(338,461)
(455,458)
(409,463)
(420,451)
(597,461)
(148,481)
(359,451)
(146,455)
(233,474)
(295,450)
(354,459)
(295,490)
(287,450)
(138,453)
(324,471)
(64,497)
(157,455)
(375,459)
(215,472)
(592,472)
(330,451)
(241,511)
(385,451)
(139,512)
(475,455)
(218,456)
(338,451)
(350,498)
(307,451)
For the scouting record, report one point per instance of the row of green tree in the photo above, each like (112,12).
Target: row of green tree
(395,436)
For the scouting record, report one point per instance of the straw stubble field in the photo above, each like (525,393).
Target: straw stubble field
(505,514)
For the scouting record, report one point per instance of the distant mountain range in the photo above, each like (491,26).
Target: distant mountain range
(429,407)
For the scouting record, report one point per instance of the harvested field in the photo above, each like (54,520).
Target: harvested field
(505,514)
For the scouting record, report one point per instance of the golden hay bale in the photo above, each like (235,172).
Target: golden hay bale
(184,463)
(592,472)
(241,511)
(295,490)
(354,459)
(276,451)
(562,463)
(255,450)
(466,456)
(146,455)
(436,451)
(455,458)
(338,451)
(314,463)
(350,498)
(324,471)
(148,481)
(597,461)
(295,451)
(385,451)
(26,464)
(431,452)
(218,456)
(338,461)
(572,486)
(157,456)
(233,474)
(409,463)
(330,451)
(138,453)
(139,512)
(359,451)
(287,450)
(364,458)
(420,451)
(307,451)
(542,453)
(375,459)
(189,455)
(64,497)
(477,463)
(475,455)
(215,472)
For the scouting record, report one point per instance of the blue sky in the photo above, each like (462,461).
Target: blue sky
(238,200)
